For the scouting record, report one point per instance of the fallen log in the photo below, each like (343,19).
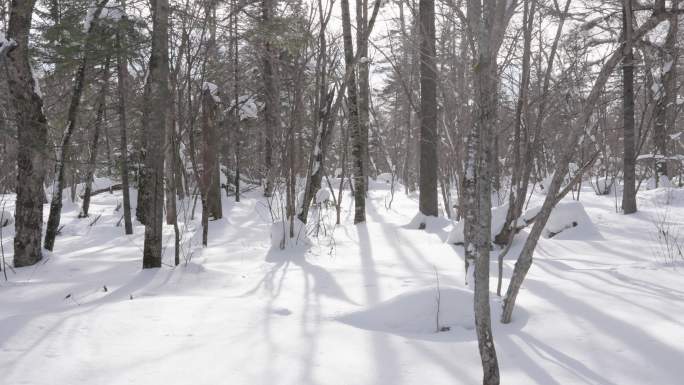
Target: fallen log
(110,189)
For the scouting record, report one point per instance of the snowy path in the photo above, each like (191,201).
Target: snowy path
(590,312)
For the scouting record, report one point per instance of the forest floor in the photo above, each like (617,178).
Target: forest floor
(355,307)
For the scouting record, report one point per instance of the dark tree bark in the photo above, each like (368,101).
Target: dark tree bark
(629,205)
(324,122)
(156,118)
(210,163)
(666,98)
(72,115)
(170,168)
(353,111)
(271,97)
(99,121)
(428,110)
(363,81)
(122,74)
(27,105)
(236,96)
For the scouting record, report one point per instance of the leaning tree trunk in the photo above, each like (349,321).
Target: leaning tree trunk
(428,110)
(156,118)
(27,105)
(99,121)
(629,205)
(524,261)
(122,73)
(72,115)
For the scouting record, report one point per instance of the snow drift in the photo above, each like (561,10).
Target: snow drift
(569,220)
(415,314)
(498,221)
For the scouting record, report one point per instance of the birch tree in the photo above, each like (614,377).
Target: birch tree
(487,23)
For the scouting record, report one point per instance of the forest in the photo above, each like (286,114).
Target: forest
(323,192)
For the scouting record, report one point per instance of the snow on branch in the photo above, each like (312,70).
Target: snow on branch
(213,90)
(6,46)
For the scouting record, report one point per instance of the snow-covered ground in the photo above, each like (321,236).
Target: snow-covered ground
(357,307)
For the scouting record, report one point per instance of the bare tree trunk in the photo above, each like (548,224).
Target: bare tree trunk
(271,96)
(428,110)
(363,82)
(27,105)
(487,22)
(352,106)
(99,121)
(170,167)
(210,162)
(666,94)
(156,118)
(324,121)
(72,115)
(629,205)
(122,74)
(524,261)
(236,94)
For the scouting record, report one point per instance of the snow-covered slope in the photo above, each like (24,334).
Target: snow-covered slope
(355,308)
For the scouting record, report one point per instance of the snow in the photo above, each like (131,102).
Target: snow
(322,196)
(6,45)
(498,222)
(111,11)
(568,220)
(36,84)
(280,235)
(602,186)
(6,218)
(385,177)
(658,35)
(248,107)
(593,310)
(413,314)
(213,90)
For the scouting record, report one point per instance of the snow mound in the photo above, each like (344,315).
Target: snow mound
(663,181)
(498,221)
(568,220)
(384,177)
(428,222)
(602,186)
(415,312)
(322,196)
(280,235)
(6,218)
(213,91)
